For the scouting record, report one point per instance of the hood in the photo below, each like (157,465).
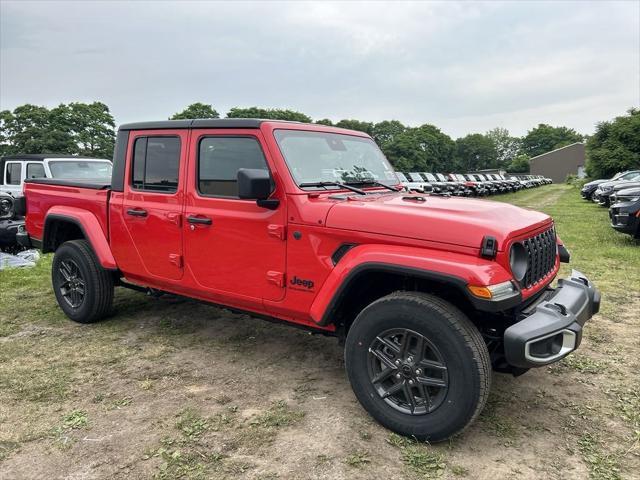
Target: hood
(593,183)
(613,183)
(453,220)
(625,185)
(627,192)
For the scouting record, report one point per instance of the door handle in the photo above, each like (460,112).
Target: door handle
(200,220)
(137,212)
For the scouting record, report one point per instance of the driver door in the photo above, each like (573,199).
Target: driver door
(233,247)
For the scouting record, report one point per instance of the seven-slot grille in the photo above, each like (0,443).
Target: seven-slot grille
(541,250)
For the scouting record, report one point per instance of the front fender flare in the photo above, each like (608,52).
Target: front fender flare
(455,269)
(90,227)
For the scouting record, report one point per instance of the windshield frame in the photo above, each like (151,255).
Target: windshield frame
(395,182)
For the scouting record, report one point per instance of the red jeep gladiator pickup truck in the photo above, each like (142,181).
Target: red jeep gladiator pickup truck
(308,224)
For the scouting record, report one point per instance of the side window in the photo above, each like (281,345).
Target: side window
(14,172)
(156,161)
(35,170)
(220,158)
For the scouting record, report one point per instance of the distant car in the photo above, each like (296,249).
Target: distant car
(14,169)
(607,198)
(475,188)
(589,188)
(455,188)
(421,186)
(489,187)
(604,190)
(625,211)
(438,186)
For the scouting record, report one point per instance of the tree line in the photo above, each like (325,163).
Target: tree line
(89,129)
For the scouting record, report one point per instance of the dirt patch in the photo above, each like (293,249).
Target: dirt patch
(185,390)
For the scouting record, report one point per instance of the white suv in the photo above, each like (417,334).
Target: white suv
(14,169)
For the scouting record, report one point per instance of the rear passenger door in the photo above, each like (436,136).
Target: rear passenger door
(153,201)
(234,248)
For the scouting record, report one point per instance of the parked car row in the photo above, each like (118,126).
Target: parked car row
(622,195)
(469,184)
(15,169)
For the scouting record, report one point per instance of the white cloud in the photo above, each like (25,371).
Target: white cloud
(465,67)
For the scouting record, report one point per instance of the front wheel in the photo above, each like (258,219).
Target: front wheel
(418,365)
(83,288)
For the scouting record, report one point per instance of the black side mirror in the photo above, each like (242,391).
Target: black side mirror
(255,184)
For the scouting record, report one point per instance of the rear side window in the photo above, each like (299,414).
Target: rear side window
(14,172)
(219,160)
(156,162)
(35,170)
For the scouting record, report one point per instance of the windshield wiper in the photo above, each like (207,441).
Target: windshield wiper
(375,182)
(333,184)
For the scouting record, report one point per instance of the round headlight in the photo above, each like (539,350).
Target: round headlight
(518,260)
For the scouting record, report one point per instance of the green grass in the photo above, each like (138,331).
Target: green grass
(419,458)
(358,459)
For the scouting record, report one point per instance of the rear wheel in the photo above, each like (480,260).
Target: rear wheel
(418,365)
(83,288)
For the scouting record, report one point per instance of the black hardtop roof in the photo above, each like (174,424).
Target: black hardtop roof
(39,157)
(201,123)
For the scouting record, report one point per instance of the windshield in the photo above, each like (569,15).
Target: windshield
(401,177)
(78,169)
(314,157)
(441,177)
(430,177)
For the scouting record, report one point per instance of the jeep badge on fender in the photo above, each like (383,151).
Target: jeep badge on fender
(416,286)
(297,282)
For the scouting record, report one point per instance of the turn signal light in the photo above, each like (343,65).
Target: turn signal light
(496,292)
(481,292)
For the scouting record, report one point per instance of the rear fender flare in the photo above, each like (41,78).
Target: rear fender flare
(90,227)
(455,269)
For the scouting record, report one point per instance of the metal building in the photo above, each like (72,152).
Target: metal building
(559,163)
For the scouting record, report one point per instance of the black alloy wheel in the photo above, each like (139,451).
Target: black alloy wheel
(408,371)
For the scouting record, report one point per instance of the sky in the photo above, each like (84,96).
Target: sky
(465,67)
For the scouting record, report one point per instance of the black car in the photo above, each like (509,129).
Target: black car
(604,199)
(11,221)
(606,188)
(625,211)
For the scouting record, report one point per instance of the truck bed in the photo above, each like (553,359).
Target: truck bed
(45,194)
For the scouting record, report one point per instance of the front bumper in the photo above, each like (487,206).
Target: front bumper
(551,328)
(586,193)
(624,217)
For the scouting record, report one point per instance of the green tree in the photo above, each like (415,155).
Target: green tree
(507,147)
(76,128)
(93,129)
(366,127)
(324,121)
(545,138)
(520,164)
(424,148)
(268,113)
(475,152)
(25,130)
(196,110)
(386,131)
(615,146)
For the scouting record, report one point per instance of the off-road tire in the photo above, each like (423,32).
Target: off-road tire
(460,344)
(98,282)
